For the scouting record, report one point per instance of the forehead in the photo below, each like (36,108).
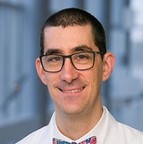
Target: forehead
(67,38)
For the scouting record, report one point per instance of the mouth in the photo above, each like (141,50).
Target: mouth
(72,90)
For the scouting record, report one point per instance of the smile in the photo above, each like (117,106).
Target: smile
(72,90)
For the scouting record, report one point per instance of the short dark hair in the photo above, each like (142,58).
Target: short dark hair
(72,17)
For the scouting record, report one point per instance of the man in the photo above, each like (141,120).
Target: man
(73,64)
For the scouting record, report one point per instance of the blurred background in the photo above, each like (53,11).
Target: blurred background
(25,104)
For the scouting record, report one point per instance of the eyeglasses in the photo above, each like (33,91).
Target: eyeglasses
(81,61)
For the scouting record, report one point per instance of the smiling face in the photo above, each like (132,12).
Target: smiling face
(74,91)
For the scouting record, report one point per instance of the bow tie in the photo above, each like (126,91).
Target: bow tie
(91,140)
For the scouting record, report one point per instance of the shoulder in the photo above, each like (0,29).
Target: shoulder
(130,134)
(36,136)
(40,136)
(123,133)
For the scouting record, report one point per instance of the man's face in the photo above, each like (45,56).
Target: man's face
(72,91)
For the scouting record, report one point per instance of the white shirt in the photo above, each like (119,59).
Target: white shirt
(107,131)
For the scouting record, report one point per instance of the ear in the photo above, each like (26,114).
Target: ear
(108,65)
(40,70)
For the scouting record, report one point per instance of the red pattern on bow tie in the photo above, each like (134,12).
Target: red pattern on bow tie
(91,140)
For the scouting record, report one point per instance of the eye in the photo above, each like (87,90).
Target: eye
(53,58)
(83,56)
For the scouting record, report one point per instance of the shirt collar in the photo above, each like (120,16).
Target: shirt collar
(100,129)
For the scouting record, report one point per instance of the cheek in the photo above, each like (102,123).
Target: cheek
(51,77)
(50,80)
(96,80)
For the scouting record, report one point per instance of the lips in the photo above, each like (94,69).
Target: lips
(71,90)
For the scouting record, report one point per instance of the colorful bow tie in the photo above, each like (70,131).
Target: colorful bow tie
(91,140)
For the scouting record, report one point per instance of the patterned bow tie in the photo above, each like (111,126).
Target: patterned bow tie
(91,140)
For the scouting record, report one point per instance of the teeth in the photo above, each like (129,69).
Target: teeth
(73,91)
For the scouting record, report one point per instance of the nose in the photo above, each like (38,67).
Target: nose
(68,72)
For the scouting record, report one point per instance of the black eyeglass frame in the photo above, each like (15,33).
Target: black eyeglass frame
(70,57)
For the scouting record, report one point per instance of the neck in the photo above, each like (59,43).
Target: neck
(77,125)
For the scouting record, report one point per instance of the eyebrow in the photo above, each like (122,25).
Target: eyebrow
(51,51)
(80,48)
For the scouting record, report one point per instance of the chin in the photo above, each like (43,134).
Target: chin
(71,110)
